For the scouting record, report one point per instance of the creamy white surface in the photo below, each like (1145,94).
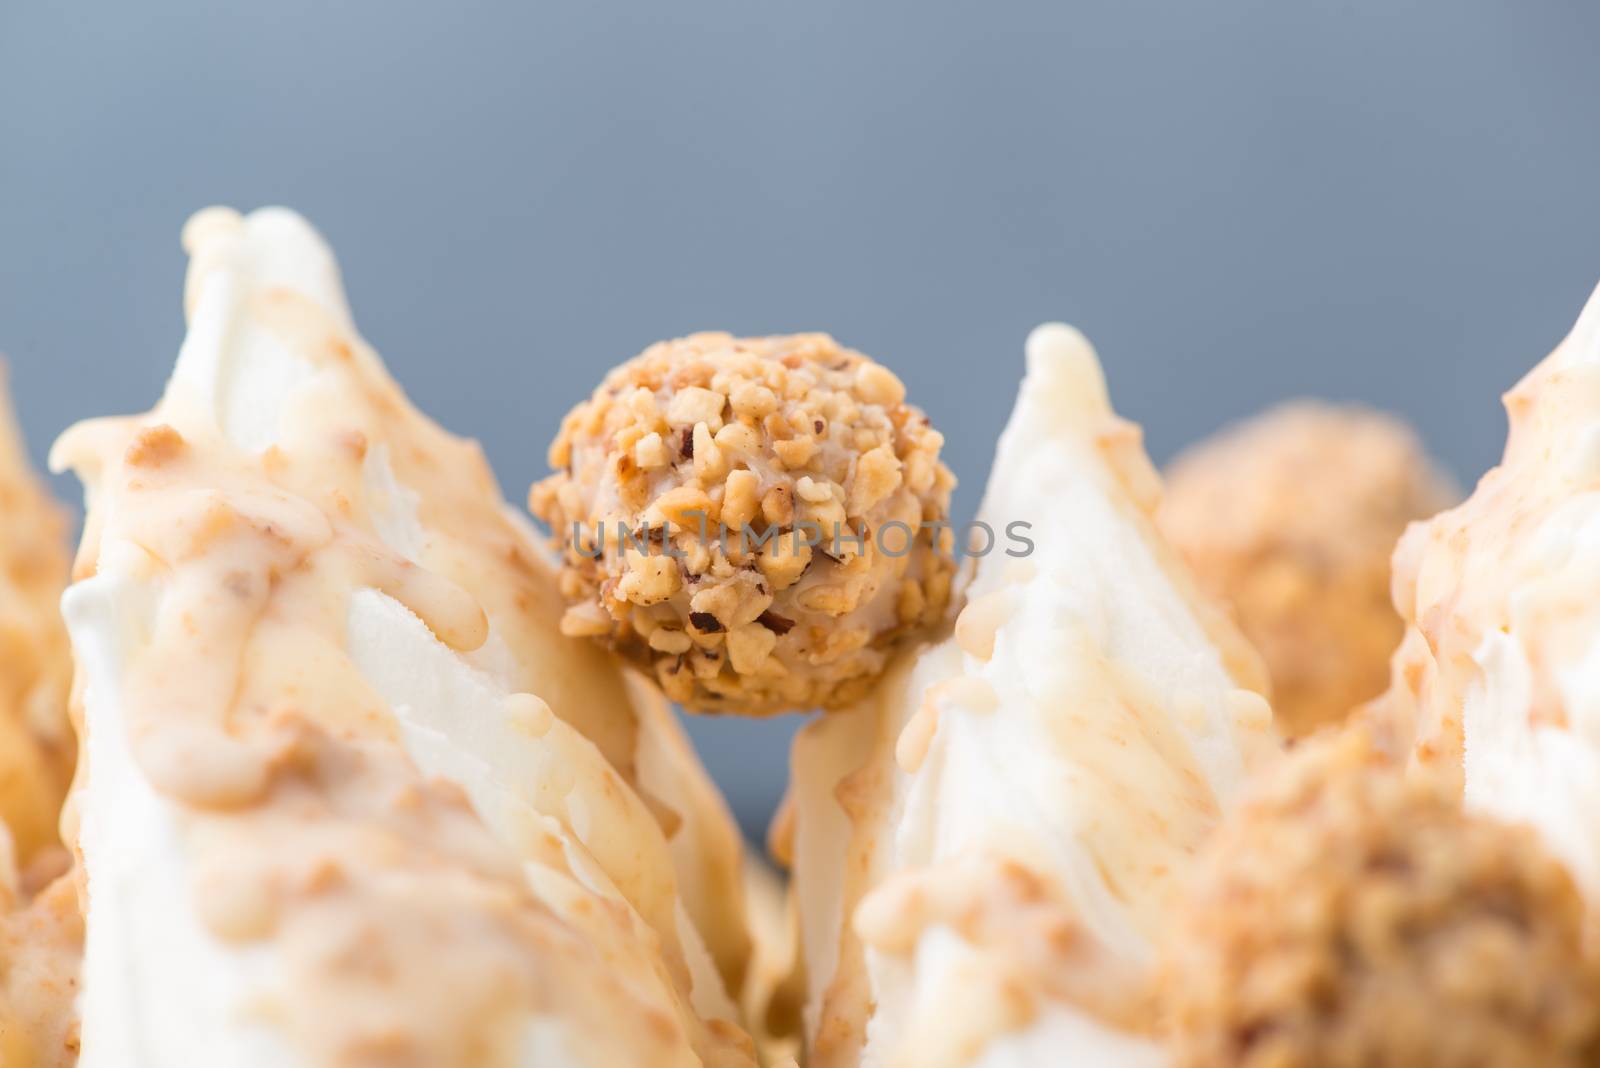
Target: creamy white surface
(1501,669)
(163,992)
(159,990)
(1095,604)
(462,724)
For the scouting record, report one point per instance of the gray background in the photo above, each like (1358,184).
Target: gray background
(1392,200)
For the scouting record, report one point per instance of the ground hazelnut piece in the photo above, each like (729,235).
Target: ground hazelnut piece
(776,462)
(1345,916)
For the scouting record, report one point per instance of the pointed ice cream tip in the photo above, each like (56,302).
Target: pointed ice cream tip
(281,437)
(259,289)
(1039,777)
(1063,366)
(1584,341)
(268,249)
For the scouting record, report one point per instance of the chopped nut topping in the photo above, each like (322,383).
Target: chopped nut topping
(685,506)
(739,502)
(670,641)
(754,401)
(705,621)
(709,466)
(775,623)
(749,646)
(878,385)
(777,507)
(650,579)
(650,451)
(695,405)
(783,560)
(877,476)
(812,490)
(716,468)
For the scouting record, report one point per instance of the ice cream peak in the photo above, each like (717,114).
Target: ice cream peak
(985,847)
(1497,685)
(324,820)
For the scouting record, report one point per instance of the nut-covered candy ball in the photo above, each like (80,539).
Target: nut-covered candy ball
(1291,518)
(756,521)
(1347,915)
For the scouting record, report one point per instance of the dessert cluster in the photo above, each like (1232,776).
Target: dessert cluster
(328,757)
